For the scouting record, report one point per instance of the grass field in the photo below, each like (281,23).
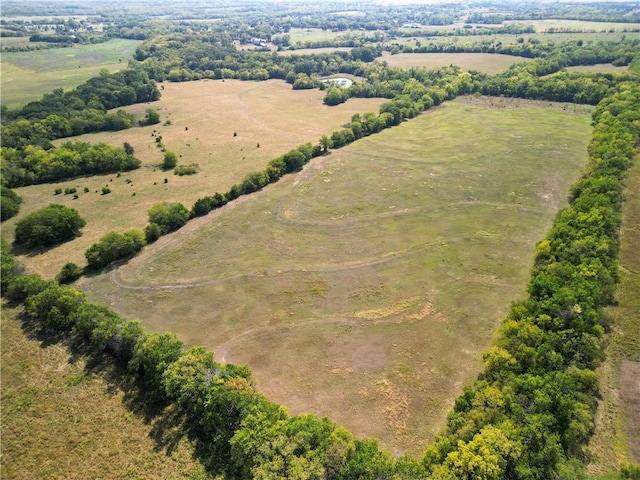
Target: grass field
(482,62)
(618,421)
(204,116)
(598,68)
(64,418)
(380,272)
(508,39)
(26,76)
(545,26)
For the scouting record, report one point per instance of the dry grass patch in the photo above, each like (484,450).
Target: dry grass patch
(65,419)
(424,232)
(598,68)
(482,62)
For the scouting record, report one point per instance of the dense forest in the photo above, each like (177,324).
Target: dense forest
(530,413)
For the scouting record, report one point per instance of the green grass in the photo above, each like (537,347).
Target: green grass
(26,76)
(365,287)
(508,39)
(66,418)
(598,68)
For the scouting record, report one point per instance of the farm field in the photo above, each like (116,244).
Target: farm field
(66,418)
(26,76)
(482,62)
(204,116)
(365,287)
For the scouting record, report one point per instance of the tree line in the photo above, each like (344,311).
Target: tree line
(34,165)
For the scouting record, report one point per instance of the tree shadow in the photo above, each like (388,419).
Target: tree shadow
(168,423)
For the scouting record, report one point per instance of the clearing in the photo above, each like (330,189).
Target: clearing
(483,62)
(26,76)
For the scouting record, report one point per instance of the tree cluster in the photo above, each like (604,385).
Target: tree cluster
(34,165)
(9,203)
(48,226)
(112,247)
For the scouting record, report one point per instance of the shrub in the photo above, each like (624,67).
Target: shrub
(114,246)
(169,161)
(70,273)
(9,203)
(169,216)
(186,169)
(152,232)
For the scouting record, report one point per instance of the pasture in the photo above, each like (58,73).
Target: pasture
(269,119)
(66,418)
(482,62)
(560,25)
(506,39)
(598,68)
(26,76)
(365,287)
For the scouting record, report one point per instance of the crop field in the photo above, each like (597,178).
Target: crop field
(66,418)
(26,76)
(365,287)
(482,62)
(269,119)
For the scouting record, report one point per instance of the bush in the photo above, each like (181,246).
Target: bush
(9,203)
(152,232)
(48,226)
(114,246)
(169,161)
(169,216)
(70,273)
(186,169)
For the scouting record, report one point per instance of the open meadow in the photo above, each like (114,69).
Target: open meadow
(482,62)
(268,118)
(365,287)
(26,76)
